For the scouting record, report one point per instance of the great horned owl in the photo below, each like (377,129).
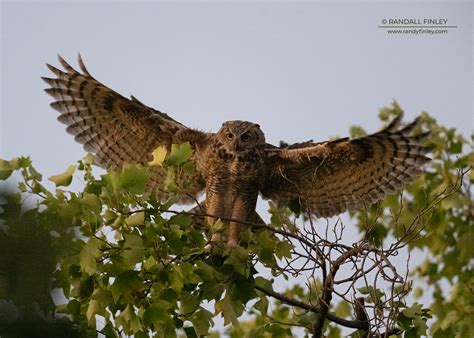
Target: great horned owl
(235,164)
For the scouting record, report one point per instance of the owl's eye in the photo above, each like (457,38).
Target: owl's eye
(229,136)
(245,137)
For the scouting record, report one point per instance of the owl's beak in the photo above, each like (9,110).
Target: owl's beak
(238,145)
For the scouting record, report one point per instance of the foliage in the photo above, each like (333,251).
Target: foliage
(129,264)
(446,232)
(130,260)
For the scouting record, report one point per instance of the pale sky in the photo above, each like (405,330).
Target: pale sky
(304,70)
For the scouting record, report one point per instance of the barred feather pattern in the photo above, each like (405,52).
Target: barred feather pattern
(236,164)
(328,178)
(113,128)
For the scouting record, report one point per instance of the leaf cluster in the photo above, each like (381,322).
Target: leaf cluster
(127,263)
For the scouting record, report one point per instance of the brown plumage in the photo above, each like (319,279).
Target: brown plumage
(328,178)
(235,164)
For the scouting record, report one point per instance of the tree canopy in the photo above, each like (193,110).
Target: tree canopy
(122,263)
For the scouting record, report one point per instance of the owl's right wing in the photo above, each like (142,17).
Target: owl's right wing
(113,128)
(325,179)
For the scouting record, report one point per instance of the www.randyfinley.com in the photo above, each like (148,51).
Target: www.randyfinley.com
(417,31)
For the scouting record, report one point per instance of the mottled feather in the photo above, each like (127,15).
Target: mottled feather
(235,164)
(115,129)
(328,178)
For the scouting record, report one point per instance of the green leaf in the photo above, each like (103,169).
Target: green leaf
(4,174)
(131,178)
(420,326)
(262,305)
(65,178)
(212,290)
(188,303)
(334,332)
(150,263)
(87,257)
(133,249)
(188,273)
(374,294)
(176,280)
(455,148)
(125,284)
(238,260)
(180,153)
(283,249)
(413,311)
(169,184)
(134,179)
(181,220)
(89,159)
(141,334)
(159,155)
(278,331)
(129,320)
(264,283)
(448,333)
(418,292)
(226,307)
(137,218)
(34,174)
(205,271)
(93,308)
(74,307)
(23,162)
(357,131)
(243,290)
(217,226)
(343,309)
(266,245)
(85,288)
(91,201)
(7,167)
(98,303)
(377,234)
(166,331)
(158,313)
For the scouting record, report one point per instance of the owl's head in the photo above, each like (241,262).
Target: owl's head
(240,135)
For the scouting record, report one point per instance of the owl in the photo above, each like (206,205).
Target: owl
(236,165)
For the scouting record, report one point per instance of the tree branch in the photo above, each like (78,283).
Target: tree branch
(355,324)
(326,297)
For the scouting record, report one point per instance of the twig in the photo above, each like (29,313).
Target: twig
(355,324)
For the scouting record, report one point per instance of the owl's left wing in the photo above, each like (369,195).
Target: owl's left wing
(328,178)
(115,129)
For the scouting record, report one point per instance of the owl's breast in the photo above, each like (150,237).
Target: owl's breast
(232,179)
(246,166)
(225,170)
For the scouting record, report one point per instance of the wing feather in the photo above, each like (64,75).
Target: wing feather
(328,178)
(115,129)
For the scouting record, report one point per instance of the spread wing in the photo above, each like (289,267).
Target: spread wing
(328,178)
(114,128)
